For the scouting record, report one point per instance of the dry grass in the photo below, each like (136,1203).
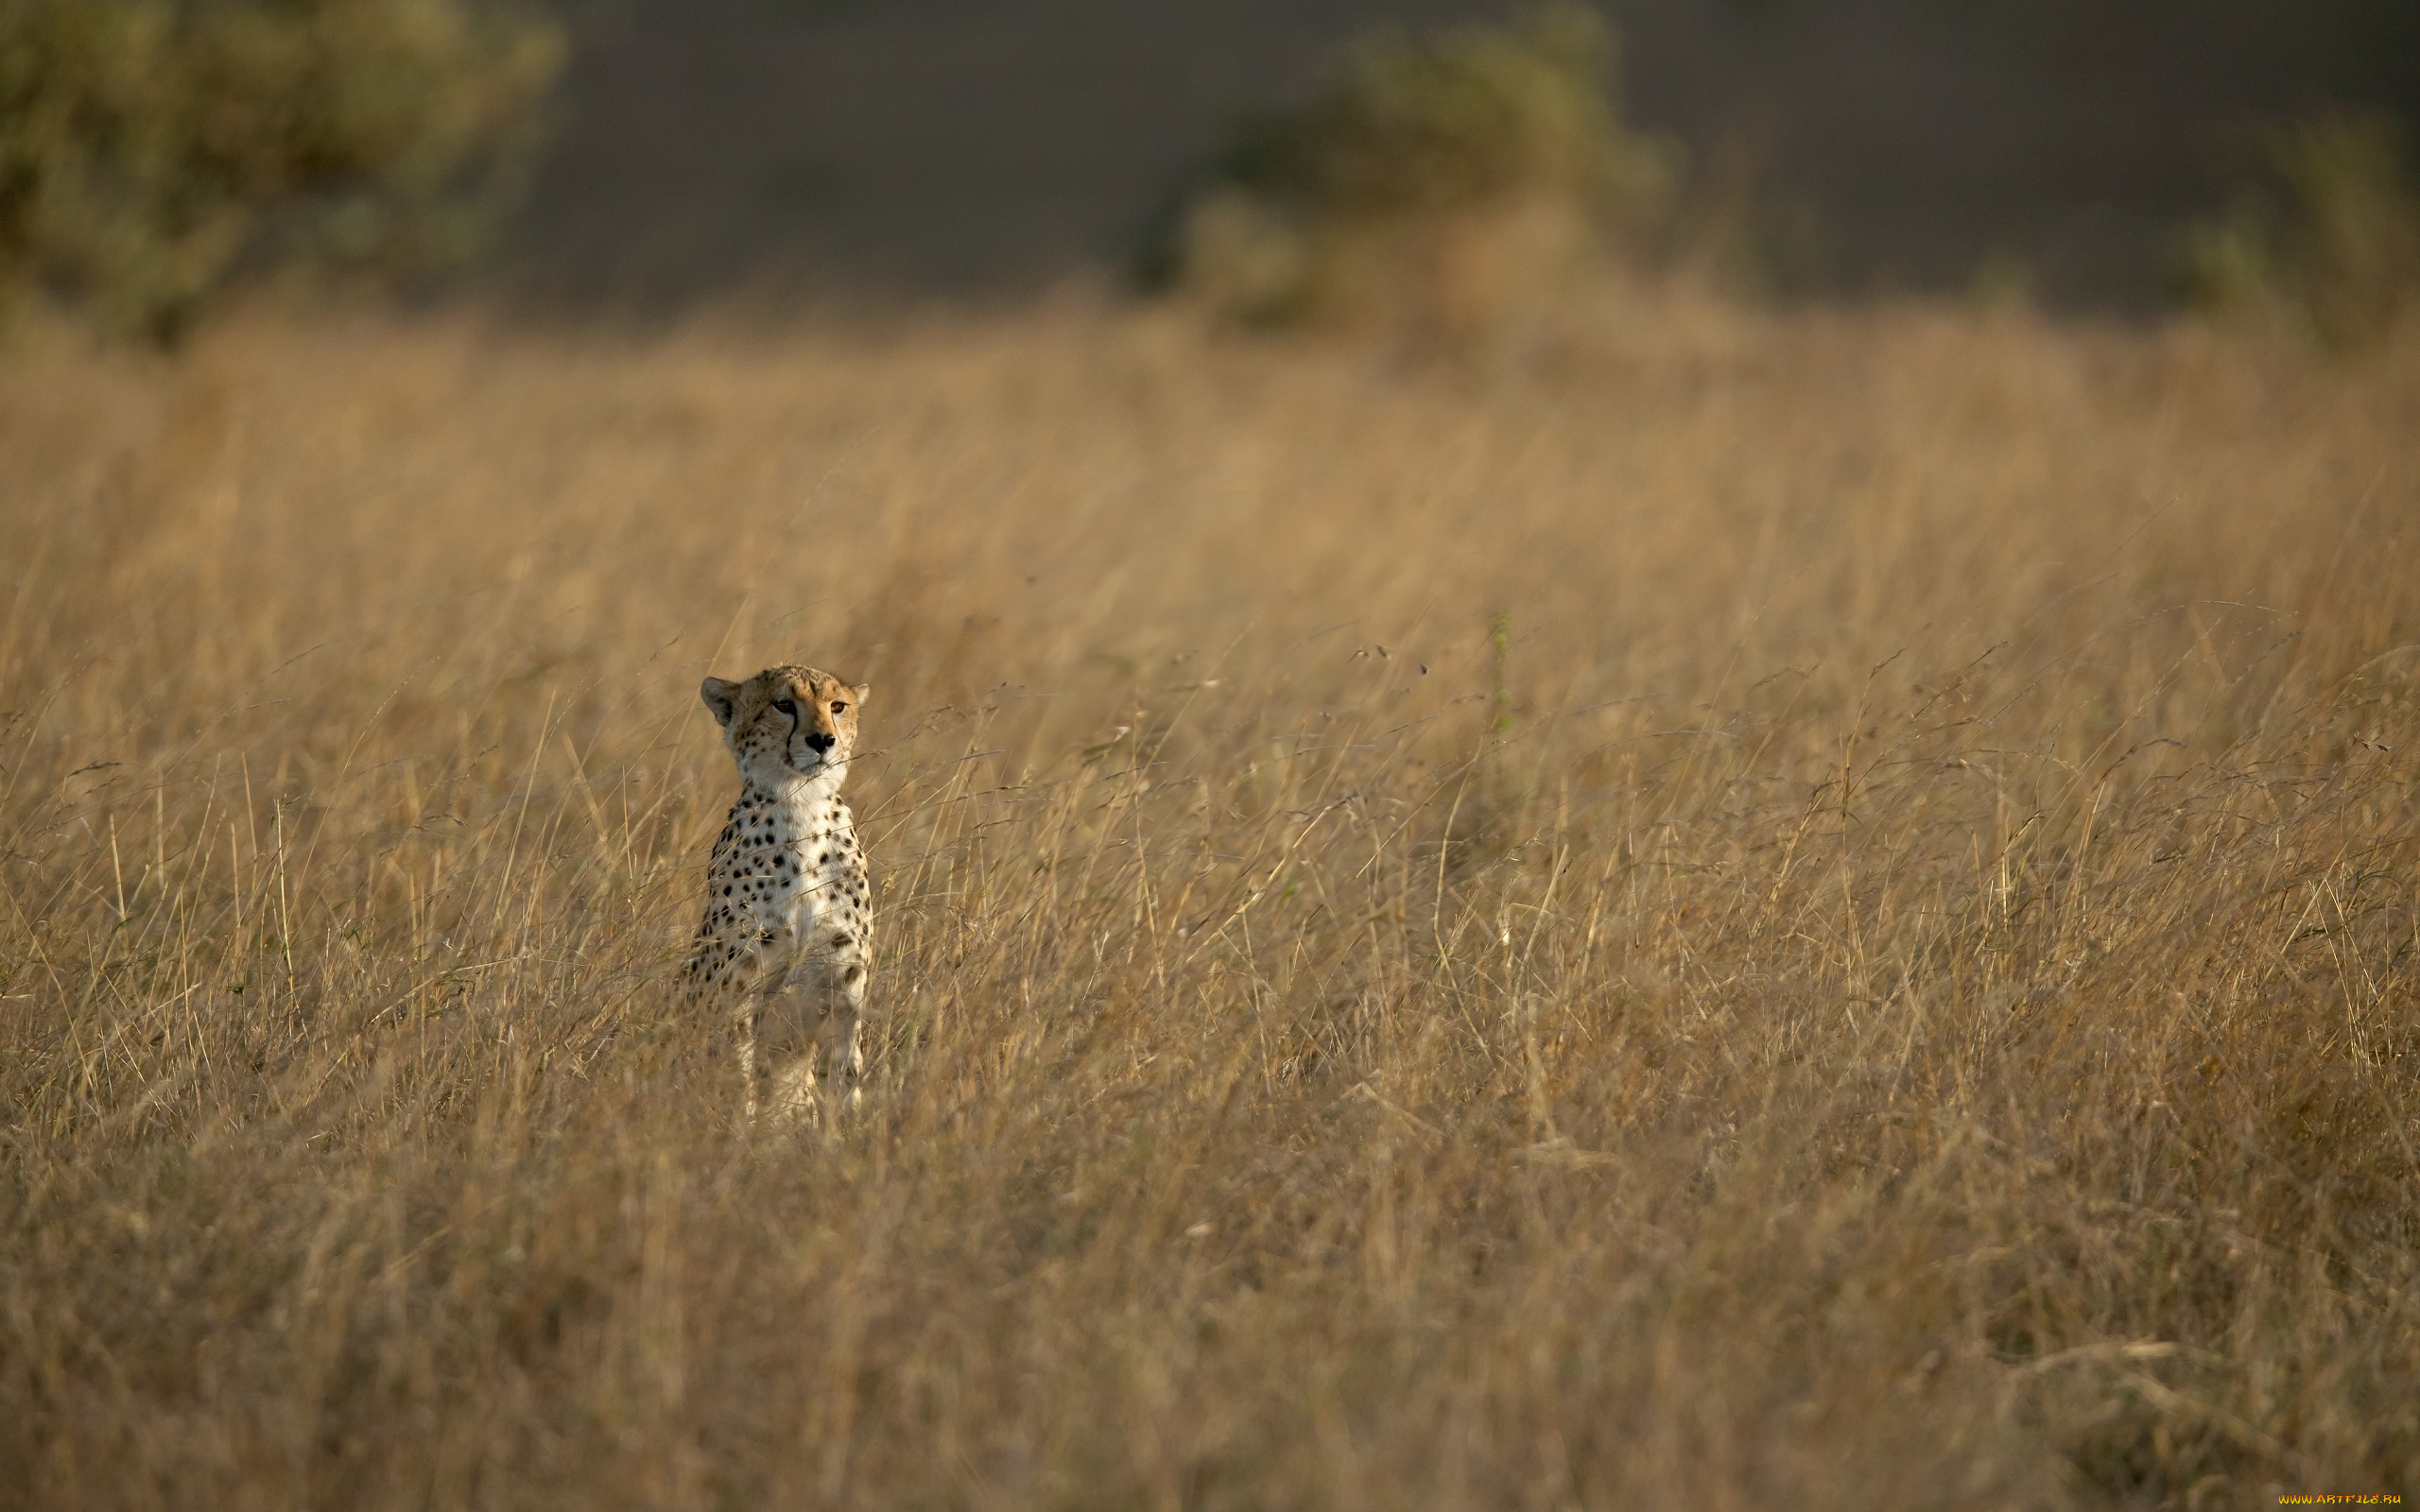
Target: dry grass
(1889,983)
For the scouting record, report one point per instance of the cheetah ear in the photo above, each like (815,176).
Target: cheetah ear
(720,696)
(861,690)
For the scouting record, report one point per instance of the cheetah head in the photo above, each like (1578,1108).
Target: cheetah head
(787,724)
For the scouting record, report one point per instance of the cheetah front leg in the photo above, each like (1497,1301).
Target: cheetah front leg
(743,1035)
(777,1063)
(784,1049)
(743,1008)
(841,1072)
(806,1049)
(841,1061)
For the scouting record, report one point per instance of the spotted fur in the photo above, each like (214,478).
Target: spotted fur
(785,946)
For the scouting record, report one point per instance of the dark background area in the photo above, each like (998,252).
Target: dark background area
(887,149)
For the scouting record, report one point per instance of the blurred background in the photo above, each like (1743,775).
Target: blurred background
(1886,144)
(645,155)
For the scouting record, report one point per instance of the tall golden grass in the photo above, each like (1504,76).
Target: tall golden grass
(1737,912)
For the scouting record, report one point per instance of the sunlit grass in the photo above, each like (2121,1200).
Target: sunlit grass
(1729,913)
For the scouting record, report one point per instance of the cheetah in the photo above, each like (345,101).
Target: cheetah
(784,946)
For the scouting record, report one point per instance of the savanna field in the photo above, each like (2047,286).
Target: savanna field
(1723,911)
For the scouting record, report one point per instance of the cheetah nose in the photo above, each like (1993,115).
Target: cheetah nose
(820,742)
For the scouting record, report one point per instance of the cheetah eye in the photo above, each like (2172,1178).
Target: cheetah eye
(785,706)
(840,706)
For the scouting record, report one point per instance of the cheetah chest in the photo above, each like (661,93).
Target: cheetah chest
(788,879)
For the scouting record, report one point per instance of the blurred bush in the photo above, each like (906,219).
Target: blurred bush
(1452,178)
(153,150)
(2322,233)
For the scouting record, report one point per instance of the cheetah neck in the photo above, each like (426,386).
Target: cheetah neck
(794,800)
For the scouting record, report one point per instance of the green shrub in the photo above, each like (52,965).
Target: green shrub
(1446,172)
(153,150)
(2324,232)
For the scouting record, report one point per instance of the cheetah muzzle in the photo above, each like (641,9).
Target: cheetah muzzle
(785,946)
